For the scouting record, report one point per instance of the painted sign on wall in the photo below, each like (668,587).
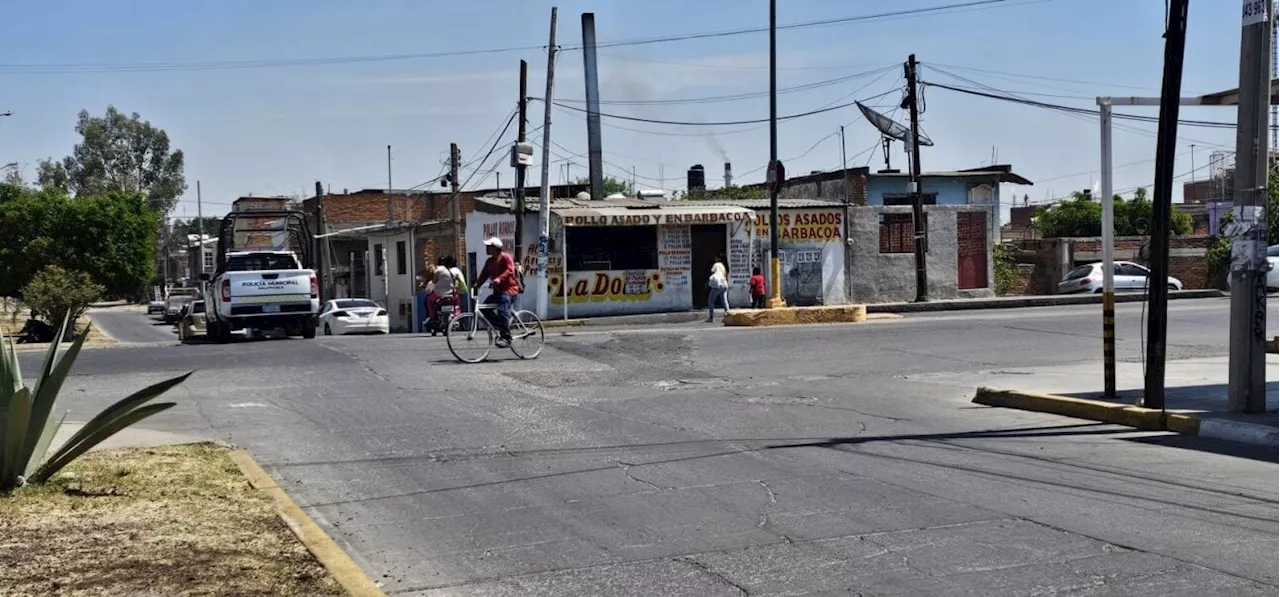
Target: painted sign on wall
(807,226)
(675,255)
(615,292)
(811,252)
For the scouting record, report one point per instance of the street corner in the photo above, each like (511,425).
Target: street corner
(797,315)
(340,566)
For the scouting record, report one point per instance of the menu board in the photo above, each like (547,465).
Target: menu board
(739,261)
(675,254)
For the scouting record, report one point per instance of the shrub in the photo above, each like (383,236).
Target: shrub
(55,294)
(1006,269)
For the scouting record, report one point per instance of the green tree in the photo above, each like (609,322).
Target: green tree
(55,294)
(1082,216)
(119,153)
(111,237)
(610,185)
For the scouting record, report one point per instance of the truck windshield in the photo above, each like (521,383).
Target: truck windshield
(255,262)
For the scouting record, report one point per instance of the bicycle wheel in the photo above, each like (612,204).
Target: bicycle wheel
(468,339)
(527,338)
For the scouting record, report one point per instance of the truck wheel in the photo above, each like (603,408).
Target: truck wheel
(219,332)
(308,330)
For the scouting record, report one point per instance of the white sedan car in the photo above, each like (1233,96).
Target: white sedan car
(1273,267)
(1129,277)
(353,316)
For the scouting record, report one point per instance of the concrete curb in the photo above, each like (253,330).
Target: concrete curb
(797,315)
(336,561)
(1131,416)
(1027,301)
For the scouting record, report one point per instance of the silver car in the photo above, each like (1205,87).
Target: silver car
(1129,277)
(1273,267)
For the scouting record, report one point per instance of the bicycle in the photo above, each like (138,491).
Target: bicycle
(470,335)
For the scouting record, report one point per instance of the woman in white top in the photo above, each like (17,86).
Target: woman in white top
(443,285)
(717,288)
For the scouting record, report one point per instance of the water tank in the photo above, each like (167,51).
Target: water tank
(697,179)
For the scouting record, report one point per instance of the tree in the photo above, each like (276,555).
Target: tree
(610,186)
(119,153)
(1082,216)
(55,295)
(181,228)
(110,237)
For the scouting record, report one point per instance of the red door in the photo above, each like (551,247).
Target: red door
(971,249)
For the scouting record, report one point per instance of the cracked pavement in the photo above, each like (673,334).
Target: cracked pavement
(696,460)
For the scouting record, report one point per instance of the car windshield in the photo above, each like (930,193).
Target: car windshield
(1079,272)
(256,262)
(354,304)
(176,292)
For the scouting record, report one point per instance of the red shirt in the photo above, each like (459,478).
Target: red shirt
(500,271)
(757,285)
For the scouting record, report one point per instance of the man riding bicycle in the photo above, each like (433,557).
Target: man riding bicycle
(500,271)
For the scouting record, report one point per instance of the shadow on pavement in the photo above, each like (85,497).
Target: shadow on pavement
(1211,445)
(1208,398)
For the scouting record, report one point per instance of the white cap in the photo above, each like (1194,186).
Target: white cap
(493,241)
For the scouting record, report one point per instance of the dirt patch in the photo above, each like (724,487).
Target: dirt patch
(177,520)
(10,325)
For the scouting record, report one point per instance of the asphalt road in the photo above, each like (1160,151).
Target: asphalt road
(131,325)
(702,460)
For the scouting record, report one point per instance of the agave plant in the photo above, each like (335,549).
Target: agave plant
(28,425)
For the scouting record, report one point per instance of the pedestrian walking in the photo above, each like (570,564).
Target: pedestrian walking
(717,288)
(757,288)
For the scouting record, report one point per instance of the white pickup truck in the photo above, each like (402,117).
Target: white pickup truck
(262,290)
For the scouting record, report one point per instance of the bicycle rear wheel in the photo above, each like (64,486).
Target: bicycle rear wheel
(527,337)
(469,340)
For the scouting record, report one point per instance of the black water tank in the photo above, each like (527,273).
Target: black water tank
(697,179)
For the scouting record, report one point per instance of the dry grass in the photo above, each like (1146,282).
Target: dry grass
(177,520)
(11,324)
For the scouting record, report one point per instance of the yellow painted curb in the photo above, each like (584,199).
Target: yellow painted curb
(336,561)
(797,315)
(1095,410)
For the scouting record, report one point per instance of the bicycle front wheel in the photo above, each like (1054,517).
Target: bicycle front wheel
(527,337)
(468,338)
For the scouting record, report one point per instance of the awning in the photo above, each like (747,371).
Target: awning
(665,215)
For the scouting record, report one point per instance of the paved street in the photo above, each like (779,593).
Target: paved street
(130,325)
(701,460)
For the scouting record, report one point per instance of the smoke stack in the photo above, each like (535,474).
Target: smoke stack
(696,179)
(728,175)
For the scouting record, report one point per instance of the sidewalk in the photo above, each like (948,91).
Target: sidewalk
(1018,302)
(1194,387)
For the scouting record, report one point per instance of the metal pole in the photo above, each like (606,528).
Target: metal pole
(544,195)
(564,269)
(322,226)
(200,216)
(917,205)
(843,159)
(775,264)
(1108,256)
(595,155)
(1246,382)
(518,204)
(391,214)
(1166,141)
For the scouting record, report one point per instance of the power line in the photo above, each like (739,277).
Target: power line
(737,96)
(725,123)
(493,147)
(1002,74)
(1075,110)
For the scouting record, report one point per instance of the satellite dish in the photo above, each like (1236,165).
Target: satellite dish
(890,128)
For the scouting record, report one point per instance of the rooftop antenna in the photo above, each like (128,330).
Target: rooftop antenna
(891,129)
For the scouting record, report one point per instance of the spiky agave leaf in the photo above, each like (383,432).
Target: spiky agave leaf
(43,424)
(11,445)
(65,455)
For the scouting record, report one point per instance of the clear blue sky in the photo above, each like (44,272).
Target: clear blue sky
(266,131)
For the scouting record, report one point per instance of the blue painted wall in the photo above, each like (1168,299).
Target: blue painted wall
(950,191)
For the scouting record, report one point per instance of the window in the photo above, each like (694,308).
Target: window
(354,304)
(210,261)
(1079,272)
(377,260)
(1130,269)
(614,248)
(401,266)
(197,307)
(908,199)
(897,233)
(256,262)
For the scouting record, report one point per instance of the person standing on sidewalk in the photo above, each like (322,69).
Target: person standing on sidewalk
(757,288)
(717,288)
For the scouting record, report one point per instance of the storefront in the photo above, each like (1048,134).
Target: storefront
(811,249)
(627,257)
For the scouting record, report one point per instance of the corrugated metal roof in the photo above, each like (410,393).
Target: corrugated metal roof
(756,204)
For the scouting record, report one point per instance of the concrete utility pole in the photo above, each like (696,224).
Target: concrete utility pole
(455,212)
(391,214)
(519,163)
(1246,381)
(917,203)
(1108,256)
(200,217)
(591,76)
(544,195)
(322,228)
(776,173)
(1162,202)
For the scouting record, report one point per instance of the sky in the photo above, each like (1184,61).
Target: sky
(266,98)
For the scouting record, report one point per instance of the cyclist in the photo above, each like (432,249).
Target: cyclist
(500,271)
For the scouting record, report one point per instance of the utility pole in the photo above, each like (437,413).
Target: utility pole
(391,214)
(1166,146)
(544,194)
(591,77)
(1108,255)
(1246,382)
(323,228)
(520,163)
(776,172)
(455,212)
(200,217)
(844,161)
(917,204)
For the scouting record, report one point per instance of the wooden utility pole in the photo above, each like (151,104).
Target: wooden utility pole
(519,164)
(917,203)
(455,212)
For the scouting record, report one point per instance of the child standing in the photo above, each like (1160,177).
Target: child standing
(757,288)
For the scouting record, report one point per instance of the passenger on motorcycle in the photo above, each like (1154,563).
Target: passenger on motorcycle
(445,287)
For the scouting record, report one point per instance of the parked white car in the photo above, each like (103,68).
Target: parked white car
(353,316)
(1273,272)
(1129,277)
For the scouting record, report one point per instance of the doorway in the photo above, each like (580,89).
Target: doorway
(706,243)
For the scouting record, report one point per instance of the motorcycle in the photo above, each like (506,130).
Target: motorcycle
(446,308)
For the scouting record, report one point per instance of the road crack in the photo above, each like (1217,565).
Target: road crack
(712,573)
(626,470)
